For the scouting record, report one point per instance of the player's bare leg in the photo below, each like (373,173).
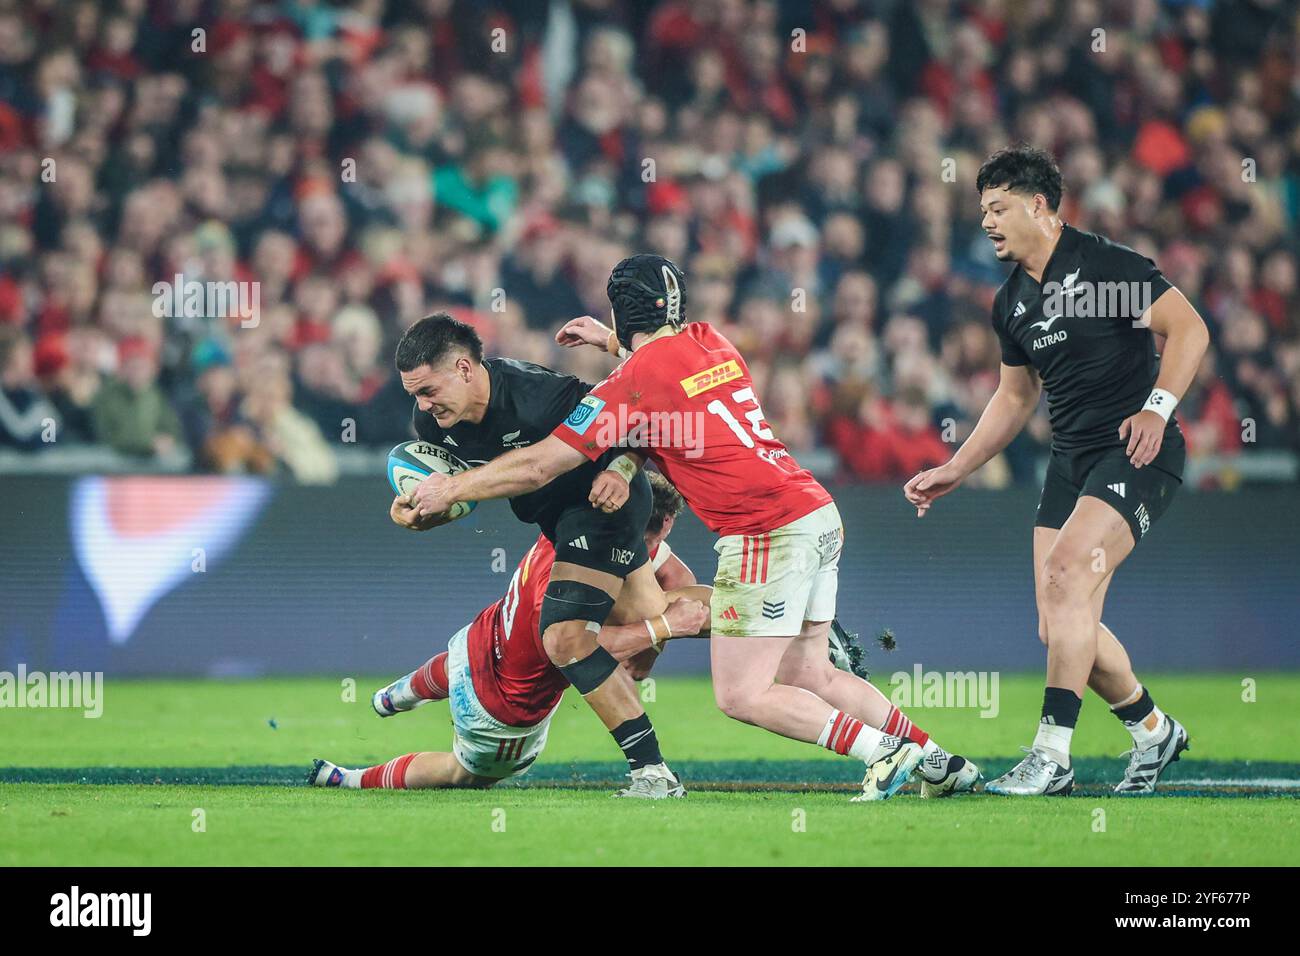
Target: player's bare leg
(1071,582)
(1158,739)
(572,615)
(806,664)
(418,771)
(744,673)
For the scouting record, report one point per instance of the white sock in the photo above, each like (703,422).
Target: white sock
(871,748)
(867,743)
(1150,731)
(935,765)
(1053,741)
(351,779)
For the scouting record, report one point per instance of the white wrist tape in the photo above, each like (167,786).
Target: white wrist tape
(1161,402)
(657,639)
(623,465)
(613,347)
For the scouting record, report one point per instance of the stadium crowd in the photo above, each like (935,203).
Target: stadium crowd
(810,166)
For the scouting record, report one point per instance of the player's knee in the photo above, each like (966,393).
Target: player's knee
(567,641)
(572,613)
(735,702)
(1064,582)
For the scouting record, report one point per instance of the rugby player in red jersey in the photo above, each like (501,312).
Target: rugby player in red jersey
(502,684)
(684,398)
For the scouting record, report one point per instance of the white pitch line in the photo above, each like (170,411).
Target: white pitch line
(1264,783)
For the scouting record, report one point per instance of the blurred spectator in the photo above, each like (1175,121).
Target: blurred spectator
(290,437)
(25,412)
(360,165)
(131,414)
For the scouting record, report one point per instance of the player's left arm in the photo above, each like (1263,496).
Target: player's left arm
(517,472)
(1186,339)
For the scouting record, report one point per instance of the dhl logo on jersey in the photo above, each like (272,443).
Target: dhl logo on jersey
(693,385)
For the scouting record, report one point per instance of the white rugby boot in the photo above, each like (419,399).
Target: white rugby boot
(652,782)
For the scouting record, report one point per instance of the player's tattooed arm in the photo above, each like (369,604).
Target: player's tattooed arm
(1186,339)
(516,472)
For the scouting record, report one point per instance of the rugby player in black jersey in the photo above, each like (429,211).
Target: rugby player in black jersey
(477,409)
(1076,317)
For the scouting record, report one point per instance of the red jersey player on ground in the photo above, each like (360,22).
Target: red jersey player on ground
(684,398)
(501,683)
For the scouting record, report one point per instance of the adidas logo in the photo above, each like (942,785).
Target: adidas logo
(1118,488)
(1020,309)
(580,542)
(730,614)
(449,440)
(773,609)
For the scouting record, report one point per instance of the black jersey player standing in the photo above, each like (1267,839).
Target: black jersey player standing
(476,409)
(1076,318)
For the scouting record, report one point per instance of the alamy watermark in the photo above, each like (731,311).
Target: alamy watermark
(922,688)
(129,910)
(190,298)
(69,690)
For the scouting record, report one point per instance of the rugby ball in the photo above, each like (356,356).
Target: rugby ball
(413,461)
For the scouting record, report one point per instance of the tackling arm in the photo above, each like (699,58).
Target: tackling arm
(516,472)
(687,615)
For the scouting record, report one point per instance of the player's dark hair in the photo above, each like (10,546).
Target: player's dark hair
(667,501)
(433,338)
(1023,169)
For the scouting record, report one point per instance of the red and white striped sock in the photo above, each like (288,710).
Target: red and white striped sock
(848,735)
(898,724)
(429,680)
(387,776)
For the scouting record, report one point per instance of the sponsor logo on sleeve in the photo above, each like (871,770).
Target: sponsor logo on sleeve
(693,385)
(584,413)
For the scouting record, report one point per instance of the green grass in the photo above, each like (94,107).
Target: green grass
(271,728)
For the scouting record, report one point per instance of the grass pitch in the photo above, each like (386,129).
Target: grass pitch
(209,773)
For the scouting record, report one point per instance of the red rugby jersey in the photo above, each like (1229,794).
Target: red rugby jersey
(515,681)
(687,400)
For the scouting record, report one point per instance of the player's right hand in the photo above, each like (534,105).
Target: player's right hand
(584,330)
(609,492)
(933,483)
(408,516)
(686,616)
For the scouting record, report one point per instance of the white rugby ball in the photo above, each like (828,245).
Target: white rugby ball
(413,461)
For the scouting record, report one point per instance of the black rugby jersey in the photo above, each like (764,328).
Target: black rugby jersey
(1081,331)
(526,403)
